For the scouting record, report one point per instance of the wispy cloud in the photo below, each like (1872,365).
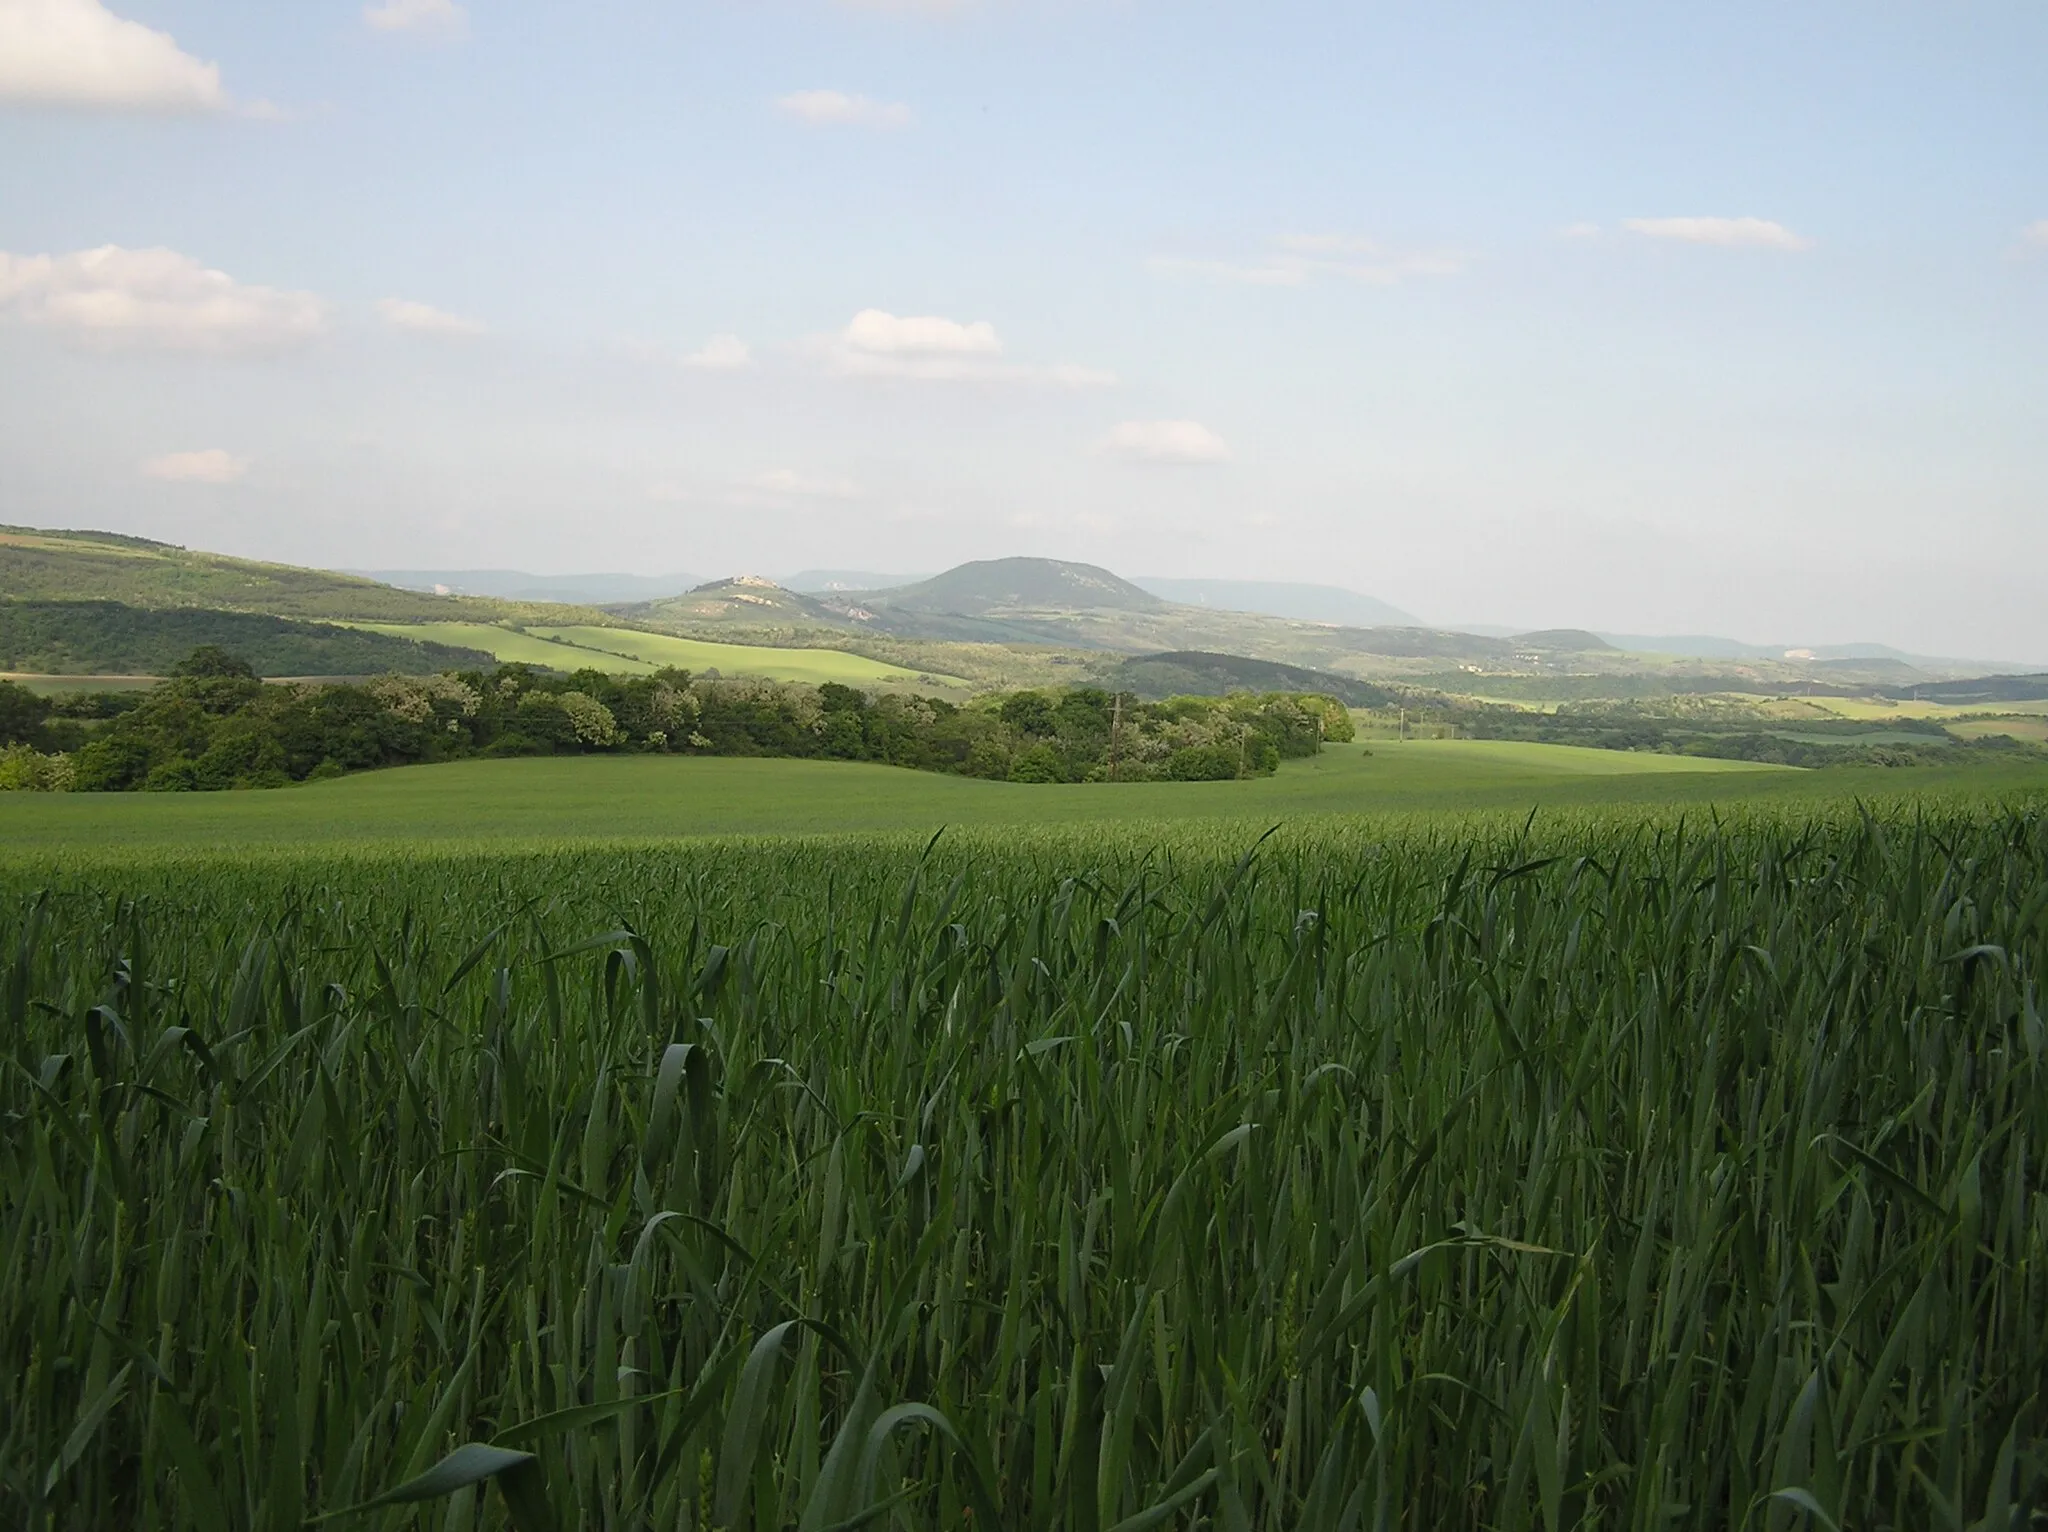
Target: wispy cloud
(2036,234)
(836,107)
(721,353)
(876,343)
(798,486)
(425,319)
(211,465)
(118,299)
(440,18)
(78,53)
(1761,233)
(1165,441)
(1299,259)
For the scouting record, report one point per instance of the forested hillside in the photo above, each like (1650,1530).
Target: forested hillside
(73,638)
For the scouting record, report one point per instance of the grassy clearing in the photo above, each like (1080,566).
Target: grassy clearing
(814,666)
(2023,726)
(626,651)
(51,686)
(1618,1175)
(640,797)
(512,647)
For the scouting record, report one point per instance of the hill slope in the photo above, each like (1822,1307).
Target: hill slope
(1192,673)
(1052,603)
(105,566)
(72,638)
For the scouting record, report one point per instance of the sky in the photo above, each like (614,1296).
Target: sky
(1651,318)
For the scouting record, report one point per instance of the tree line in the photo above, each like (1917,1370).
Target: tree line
(213,724)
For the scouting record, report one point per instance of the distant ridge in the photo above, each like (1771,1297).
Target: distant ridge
(1563,641)
(984,585)
(1283,598)
(818,582)
(517,585)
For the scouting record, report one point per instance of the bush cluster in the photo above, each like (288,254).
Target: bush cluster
(214,725)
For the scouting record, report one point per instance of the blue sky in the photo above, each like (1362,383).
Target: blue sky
(1649,318)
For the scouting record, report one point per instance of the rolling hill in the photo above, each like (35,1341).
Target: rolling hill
(1059,604)
(73,638)
(1191,673)
(997,586)
(106,566)
(995,621)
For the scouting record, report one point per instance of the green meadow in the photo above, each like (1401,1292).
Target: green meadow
(1443,1133)
(654,797)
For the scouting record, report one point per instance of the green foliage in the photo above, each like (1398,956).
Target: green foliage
(108,638)
(1615,1175)
(23,769)
(22,713)
(1690,727)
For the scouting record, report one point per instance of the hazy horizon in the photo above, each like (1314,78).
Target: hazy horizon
(1729,323)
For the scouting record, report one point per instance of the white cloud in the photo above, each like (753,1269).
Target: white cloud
(1298,259)
(78,53)
(210,466)
(785,481)
(2036,233)
(113,298)
(877,343)
(836,107)
(444,17)
(879,333)
(424,319)
(721,353)
(1758,232)
(1165,441)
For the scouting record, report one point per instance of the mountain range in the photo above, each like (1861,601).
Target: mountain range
(1052,606)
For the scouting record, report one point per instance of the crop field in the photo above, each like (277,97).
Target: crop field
(813,666)
(627,651)
(643,796)
(1626,1170)
(647,796)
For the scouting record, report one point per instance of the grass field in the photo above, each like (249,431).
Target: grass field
(1093,1179)
(631,797)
